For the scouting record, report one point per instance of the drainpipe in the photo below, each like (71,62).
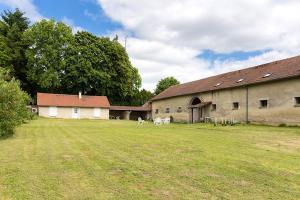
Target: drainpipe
(247,104)
(192,117)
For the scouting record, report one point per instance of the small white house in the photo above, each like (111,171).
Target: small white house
(73,106)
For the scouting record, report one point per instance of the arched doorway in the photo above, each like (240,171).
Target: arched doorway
(195,110)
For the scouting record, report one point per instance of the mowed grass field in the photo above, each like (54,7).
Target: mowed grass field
(89,159)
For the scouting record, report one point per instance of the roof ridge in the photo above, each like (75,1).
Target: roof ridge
(71,94)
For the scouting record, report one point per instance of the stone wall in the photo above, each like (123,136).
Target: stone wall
(280,95)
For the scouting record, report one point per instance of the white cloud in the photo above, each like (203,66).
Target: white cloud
(211,24)
(26,6)
(156,60)
(170,34)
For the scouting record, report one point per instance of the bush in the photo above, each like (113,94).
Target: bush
(282,125)
(13,103)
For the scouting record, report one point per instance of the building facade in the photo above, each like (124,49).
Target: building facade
(267,94)
(72,106)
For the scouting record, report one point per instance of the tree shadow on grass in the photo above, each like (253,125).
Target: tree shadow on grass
(6,136)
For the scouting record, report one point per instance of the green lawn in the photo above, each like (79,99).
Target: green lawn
(88,159)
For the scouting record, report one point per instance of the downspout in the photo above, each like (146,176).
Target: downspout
(192,111)
(247,105)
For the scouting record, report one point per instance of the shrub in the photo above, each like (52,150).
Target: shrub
(13,103)
(283,125)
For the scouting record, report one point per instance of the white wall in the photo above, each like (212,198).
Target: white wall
(66,112)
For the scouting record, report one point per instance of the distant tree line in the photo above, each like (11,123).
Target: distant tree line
(47,57)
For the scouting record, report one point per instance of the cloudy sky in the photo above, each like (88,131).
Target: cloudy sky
(188,39)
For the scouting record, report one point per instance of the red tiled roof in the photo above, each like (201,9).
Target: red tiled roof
(282,69)
(131,108)
(64,100)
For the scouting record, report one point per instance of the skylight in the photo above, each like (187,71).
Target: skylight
(267,75)
(218,84)
(240,80)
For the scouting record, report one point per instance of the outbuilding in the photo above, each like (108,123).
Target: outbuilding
(73,106)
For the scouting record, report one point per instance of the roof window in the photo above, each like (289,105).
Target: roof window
(267,75)
(240,80)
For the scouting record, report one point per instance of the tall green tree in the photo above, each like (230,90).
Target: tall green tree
(85,71)
(165,83)
(49,46)
(5,54)
(100,66)
(125,80)
(12,27)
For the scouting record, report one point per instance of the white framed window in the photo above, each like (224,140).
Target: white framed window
(76,113)
(52,111)
(97,112)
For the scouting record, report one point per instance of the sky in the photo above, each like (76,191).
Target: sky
(187,39)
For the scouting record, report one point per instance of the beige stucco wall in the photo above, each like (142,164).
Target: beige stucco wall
(66,112)
(280,95)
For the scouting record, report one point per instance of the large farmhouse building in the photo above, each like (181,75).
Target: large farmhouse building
(268,93)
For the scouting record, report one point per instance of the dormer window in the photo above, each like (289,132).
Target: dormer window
(218,84)
(267,75)
(240,80)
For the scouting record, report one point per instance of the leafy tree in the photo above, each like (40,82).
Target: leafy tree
(165,83)
(49,45)
(13,103)
(5,54)
(12,27)
(125,80)
(84,71)
(141,97)
(99,66)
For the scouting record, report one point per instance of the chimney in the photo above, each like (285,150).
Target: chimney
(79,95)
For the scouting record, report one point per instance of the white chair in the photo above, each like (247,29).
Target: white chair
(167,120)
(140,121)
(158,121)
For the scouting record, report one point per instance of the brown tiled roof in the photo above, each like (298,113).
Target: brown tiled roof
(131,108)
(64,100)
(286,68)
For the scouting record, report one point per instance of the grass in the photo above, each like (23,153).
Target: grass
(88,159)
